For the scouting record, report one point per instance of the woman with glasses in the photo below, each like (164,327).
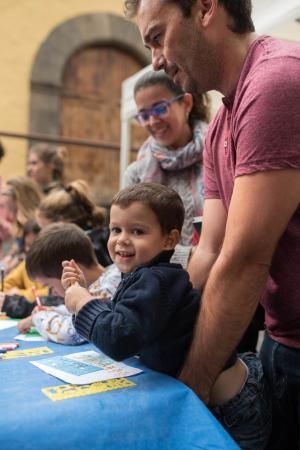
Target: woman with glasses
(172,155)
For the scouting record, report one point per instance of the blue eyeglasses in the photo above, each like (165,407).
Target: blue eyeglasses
(161,109)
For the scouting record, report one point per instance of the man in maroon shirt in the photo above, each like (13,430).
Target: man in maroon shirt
(249,249)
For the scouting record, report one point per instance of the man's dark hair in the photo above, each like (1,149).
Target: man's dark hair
(239,10)
(162,200)
(55,244)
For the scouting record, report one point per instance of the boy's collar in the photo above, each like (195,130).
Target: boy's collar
(162,257)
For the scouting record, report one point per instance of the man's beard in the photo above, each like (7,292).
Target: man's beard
(192,86)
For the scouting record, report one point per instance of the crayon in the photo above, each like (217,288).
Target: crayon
(37,298)
(8,346)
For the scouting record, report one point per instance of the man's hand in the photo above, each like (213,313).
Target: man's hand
(187,377)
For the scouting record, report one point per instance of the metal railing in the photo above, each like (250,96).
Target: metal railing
(63,140)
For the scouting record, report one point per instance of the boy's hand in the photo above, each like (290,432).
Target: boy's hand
(72,274)
(25,324)
(76,297)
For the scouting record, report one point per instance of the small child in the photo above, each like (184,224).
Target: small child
(19,291)
(155,308)
(56,243)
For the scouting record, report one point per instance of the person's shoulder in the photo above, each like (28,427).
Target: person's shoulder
(280,48)
(264,77)
(271,58)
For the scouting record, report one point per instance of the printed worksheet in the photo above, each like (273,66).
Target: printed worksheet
(85,367)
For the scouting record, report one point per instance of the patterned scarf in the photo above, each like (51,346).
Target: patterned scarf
(164,159)
(180,158)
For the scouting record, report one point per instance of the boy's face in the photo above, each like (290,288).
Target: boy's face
(53,283)
(136,236)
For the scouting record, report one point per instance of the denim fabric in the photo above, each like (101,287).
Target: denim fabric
(248,416)
(282,369)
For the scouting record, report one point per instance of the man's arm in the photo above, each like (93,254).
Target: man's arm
(261,208)
(211,239)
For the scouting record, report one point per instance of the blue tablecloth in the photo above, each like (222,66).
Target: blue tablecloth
(158,413)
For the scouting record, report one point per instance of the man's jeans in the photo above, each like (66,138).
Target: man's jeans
(248,416)
(282,369)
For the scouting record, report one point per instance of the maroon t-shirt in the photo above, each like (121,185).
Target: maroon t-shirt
(258,129)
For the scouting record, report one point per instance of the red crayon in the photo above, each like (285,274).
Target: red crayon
(7,346)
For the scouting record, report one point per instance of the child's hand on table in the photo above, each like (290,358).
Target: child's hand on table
(25,324)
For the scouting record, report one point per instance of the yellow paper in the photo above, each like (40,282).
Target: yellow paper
(36,351)
(66,391)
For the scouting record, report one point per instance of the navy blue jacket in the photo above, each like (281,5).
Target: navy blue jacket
(152,314)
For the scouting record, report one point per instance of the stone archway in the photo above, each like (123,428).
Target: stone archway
(64,41)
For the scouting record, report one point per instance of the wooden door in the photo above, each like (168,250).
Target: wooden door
(90,109)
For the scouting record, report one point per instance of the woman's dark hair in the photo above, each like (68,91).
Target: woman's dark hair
(31,226)
(200,109)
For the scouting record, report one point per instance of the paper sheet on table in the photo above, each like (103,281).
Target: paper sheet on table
(7,323)
(29,338)
(85,367)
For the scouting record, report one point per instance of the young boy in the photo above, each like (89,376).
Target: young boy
(56,243)
(155,308)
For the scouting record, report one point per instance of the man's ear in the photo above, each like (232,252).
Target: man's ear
(188,102)
(172,239)
(205,10)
